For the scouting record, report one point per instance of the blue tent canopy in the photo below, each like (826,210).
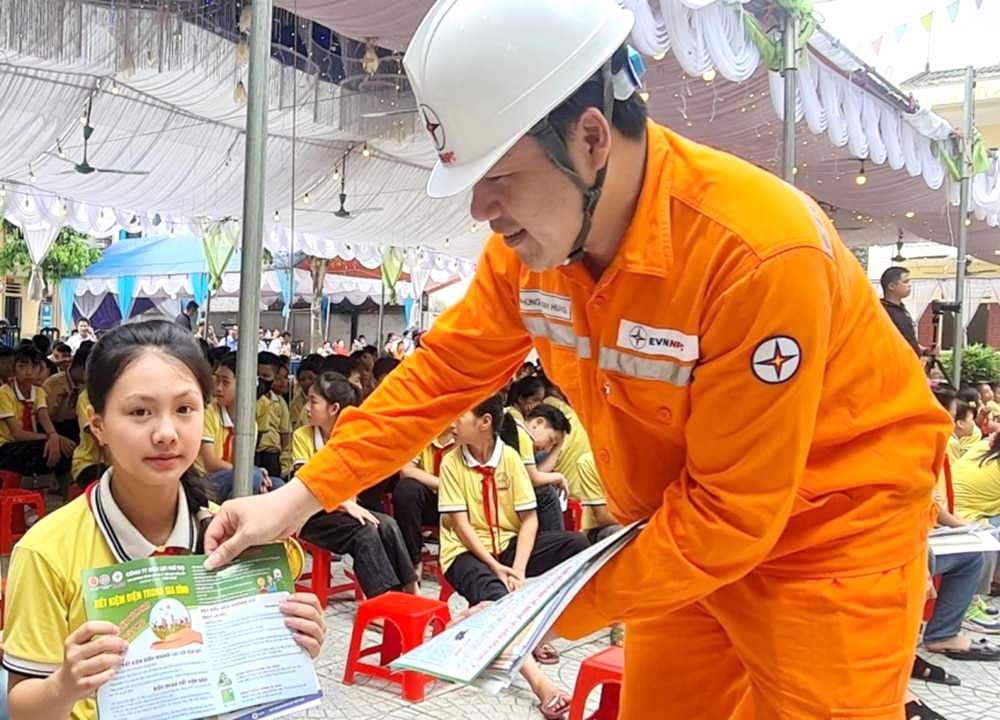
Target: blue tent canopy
(155,256)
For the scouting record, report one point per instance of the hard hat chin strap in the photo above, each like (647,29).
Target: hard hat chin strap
(555,148)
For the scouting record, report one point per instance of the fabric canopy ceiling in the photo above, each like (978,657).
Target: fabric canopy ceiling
(162,94)
(840,121)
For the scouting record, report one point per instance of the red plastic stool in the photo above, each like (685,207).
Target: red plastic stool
(602,669)
(319,580)
(12,506)
(406,619)
(573,517)
(10,480)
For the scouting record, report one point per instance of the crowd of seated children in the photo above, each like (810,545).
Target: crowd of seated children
(29,443)
(491,542)
(373,540)
(148,388)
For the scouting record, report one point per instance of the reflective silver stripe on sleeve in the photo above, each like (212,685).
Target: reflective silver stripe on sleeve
(558,334)
(644,368)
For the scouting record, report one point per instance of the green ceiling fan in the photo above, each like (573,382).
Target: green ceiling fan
(85,168)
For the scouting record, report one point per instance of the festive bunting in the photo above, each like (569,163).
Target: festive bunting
(877,44)
(899,32)
(953,10)
(927,20)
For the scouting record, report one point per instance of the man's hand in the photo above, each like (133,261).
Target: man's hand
(256,520)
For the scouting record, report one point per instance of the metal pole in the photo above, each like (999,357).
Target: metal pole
(253,245)
(790,70)
(208,308)
(963,216)
(381,314)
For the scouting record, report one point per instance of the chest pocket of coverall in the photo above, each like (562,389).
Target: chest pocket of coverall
(658,403)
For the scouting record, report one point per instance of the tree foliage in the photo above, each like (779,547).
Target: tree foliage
(70,256)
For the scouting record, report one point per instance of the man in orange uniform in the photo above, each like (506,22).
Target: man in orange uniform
(718,343)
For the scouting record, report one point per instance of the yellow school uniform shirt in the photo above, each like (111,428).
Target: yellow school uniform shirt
(525,443)
(461,490)
(574,446)
(53,387)
(273,420)
(426,460)
(591,491)
(305,442)
(219,429)
(969,440)
(954,449)
(296,409)
(976,487)
(12,405)
(993,407)
(88,451)
(44,601)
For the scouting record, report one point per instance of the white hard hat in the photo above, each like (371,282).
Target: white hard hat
(484,72)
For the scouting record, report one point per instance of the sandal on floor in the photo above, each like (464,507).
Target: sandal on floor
(980,650)
(618,635)
(556,706)
(916,710)
(923,670)
(545,654)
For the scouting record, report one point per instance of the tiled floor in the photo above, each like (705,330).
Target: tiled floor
(978,698)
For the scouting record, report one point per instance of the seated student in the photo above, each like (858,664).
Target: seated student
(381,561)
(965,427)
(148,386)
(491,543)
(282,387)
(219,436)
(524,395)
(382,368)
(272,416)
(6,364)
(597,522)
(575,444)
(304,377)
(345,366)
(983,423)
(62,392)
(62,355)
(548,485)
(988,400)
(29,443)
(414,498)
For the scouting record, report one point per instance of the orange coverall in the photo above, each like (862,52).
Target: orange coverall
(743,390)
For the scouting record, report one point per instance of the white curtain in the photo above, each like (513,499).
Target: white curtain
(88,304)
(39,238)
(168,307)
(921,294)
(975,290)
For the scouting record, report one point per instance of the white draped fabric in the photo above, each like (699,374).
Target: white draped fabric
(165,290)
(921,294)
(173,116)
(87,304)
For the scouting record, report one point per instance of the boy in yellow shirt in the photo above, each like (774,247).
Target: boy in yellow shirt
(304,377)
(273,418)
(492,543)
(29,443)
(62,391)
